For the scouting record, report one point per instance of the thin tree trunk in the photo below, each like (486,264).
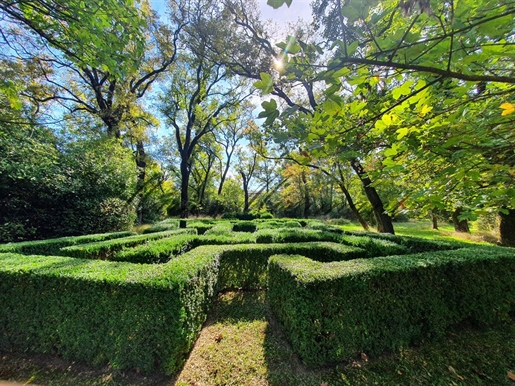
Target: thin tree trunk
(185,177)
(507,228)
(434,220)
(245,192)
(307,198)
(352,207)
(460,225)
(384,221)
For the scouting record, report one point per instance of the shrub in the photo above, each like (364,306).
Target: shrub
(374,246)
(53,246)
(221,228)
(245,266)
(289,235)
(130,316)
(157,251)
(166,225)
(244,226)
(107,249)
(333,311)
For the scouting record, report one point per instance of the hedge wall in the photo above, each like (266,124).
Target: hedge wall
(245,266)
(131,316)
(53,246)
(333,311)
(107,249)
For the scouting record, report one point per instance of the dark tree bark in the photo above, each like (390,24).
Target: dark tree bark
(352,206)
(307,197)
(349,199)
(459,225)
(384,221)
(185,180)
(245,192)
(434,220)
(507,228)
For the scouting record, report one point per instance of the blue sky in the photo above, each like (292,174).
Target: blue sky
(282,16)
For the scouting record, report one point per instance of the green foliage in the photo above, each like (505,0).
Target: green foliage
(156,251)
(127,315)
(291,235)
(106,250)
(374,246)
(244,226)
(165,225)
(53,246)
(85,187)
(337,310)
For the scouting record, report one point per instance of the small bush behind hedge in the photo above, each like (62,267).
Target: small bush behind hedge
(334,311)
(244,226)
(162,226)
(53,246)
(105,250)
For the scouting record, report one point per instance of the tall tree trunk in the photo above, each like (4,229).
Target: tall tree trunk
(245,192)
(434,220)
(307,198)
(185,179)
(384,221)
(352,206)
(507,228)
(141,163)
(459,225)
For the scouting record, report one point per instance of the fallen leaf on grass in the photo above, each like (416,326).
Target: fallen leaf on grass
(511,375)
(452,370)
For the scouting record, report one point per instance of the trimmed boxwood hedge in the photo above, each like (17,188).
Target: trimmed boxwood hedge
(131,316)
(245,266)
(294,235)
(53,246)
(106,250)
(334,311)
(148,316)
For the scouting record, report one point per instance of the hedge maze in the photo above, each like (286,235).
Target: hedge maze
(139,301)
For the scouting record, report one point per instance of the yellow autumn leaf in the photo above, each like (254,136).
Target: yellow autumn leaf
(508,108)
(425,110)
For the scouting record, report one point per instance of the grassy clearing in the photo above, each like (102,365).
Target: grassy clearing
(422,228)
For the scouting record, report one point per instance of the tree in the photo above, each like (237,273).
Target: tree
(93,34)
(201,91)
(398,56)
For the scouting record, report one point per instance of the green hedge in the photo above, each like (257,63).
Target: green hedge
(162,226)
(414,244)
(374,246)
(161,251)
(245,266)
(53,246)
(130,316)
(333,311)
(292,235)
(106,250)
(221,228)
(244,226)
(157,251)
